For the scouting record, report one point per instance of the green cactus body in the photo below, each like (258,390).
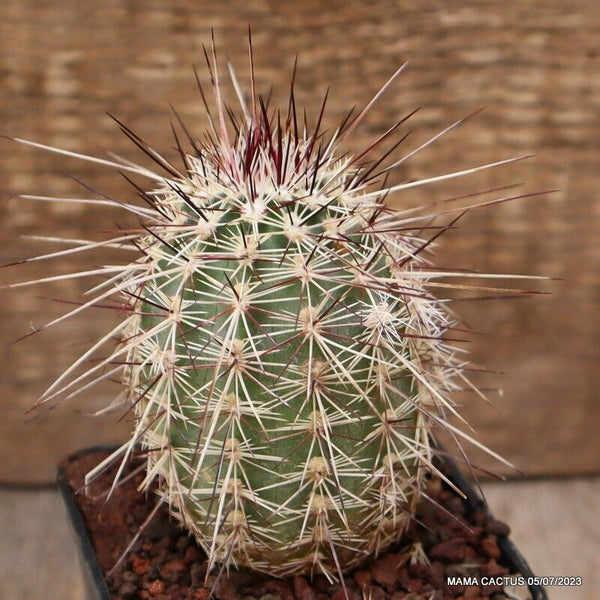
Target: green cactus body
(279,357)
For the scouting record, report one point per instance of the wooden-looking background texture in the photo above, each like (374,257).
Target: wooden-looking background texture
(535,65)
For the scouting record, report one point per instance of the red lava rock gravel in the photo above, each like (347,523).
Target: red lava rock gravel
(165,564)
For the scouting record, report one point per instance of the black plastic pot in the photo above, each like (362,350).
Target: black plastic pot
(96,588)
(93,578)
(510,554)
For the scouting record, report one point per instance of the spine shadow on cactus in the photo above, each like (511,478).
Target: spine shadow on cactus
(282,353)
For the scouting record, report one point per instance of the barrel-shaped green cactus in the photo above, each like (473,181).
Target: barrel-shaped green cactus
(281,350)
(283,355)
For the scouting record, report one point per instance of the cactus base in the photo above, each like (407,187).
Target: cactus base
(183,565)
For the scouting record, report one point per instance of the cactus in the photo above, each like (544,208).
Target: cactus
(281,349)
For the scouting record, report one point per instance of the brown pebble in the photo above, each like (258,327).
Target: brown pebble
(156,587)
(497,527)
(192,554)
(383,571)
(175,565)
(490,547)
(226,590)
(421,571)
(456,505)
(473,534)
(488,590)
(139,565)
(363,579)
(479,517)
(197,573)
(302,589)
(129,576)
(279,588)
(457,590)
(376,593)
(415,585)
(128,590)
(352,593)
(493,569)
(472,591)
(154,570)
(437,571)
(182,543)
(451,551)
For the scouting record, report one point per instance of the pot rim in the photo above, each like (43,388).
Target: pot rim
(95,584)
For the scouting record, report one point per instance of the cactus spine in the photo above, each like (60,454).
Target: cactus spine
(281,350)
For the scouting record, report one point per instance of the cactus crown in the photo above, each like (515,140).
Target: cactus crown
(281,350)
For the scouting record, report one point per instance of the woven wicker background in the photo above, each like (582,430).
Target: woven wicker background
(535,65)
